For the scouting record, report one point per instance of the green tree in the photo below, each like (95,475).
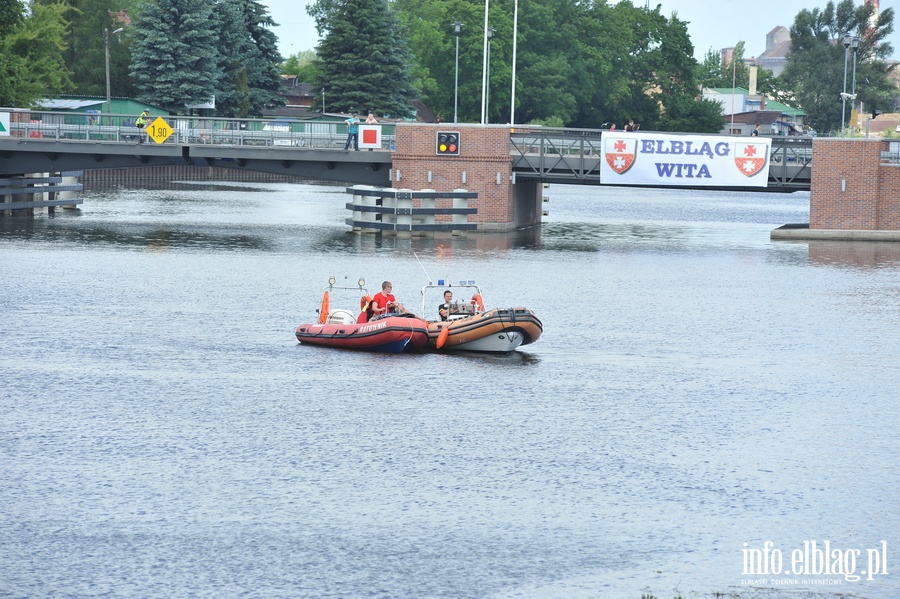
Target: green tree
(233,90)
(174,55)
(31,53)
(643,69)
(247,58)
(12,66)
(12,12)
(264,60)
(301,65)
(552,68)
(363,58)
(815,66)
(580,63)
(86,53)
(431,39)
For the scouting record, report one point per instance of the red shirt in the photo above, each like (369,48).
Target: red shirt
(381,301)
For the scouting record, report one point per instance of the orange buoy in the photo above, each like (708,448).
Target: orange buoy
(323,309)
(364,302)
(442,338)
(478,301)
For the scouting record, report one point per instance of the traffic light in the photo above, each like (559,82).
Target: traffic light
(448,143)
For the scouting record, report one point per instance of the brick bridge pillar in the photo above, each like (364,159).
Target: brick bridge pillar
(484,165)
(851,189)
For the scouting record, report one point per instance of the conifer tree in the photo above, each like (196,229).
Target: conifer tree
(248,59)
(363,58)
(264,63)
(233,91)
(174,55)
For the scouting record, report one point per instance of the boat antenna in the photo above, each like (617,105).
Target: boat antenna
(423,268)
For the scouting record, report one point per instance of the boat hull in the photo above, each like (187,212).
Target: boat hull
(394,334)
(500,331)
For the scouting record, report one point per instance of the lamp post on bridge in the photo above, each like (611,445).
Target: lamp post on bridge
(106,49)
(848,41)
(487,102)
(457,31)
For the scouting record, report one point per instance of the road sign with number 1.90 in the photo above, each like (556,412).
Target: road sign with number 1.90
(159,130)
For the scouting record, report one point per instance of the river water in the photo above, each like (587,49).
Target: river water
(699,391)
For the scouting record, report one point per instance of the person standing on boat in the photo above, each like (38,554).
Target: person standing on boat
(384,301)
(444,309)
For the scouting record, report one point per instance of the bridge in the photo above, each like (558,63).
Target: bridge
(53,142)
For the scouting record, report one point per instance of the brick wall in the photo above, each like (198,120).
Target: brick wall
(851,189)
(483,155)
(888,214)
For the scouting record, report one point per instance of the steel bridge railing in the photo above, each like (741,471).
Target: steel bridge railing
(120,128)
(576,154)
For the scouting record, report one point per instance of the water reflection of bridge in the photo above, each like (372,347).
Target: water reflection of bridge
(41,142)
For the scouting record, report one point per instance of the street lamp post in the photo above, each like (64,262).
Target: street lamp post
(457,31)
(847,40)
(484,60)
(106,49)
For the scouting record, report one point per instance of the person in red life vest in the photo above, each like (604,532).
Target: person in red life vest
(384,301)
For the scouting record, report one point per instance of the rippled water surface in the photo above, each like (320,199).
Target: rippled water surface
(697,388)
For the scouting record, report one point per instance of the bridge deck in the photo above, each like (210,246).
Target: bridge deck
(51,142)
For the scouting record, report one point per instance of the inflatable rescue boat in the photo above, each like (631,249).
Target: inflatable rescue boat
(341,328)
(469,327)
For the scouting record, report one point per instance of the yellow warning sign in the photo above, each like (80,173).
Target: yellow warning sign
(159,130)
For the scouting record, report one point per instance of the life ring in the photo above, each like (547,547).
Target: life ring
(442,338)
(478,301)
(364,302)
(323,309)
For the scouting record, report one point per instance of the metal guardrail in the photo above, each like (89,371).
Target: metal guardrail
(566,153)
(182,136)
(117,128)
(576,154)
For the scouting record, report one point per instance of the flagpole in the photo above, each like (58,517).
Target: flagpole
(484,65)
(512,102)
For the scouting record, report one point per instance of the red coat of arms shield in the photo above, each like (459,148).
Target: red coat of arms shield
(750,158)
(620,153)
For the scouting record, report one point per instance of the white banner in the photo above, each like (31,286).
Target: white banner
(689,160)
(4,123)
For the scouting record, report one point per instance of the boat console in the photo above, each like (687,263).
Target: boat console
(461,310)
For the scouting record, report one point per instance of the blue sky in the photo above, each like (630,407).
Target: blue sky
(712,24)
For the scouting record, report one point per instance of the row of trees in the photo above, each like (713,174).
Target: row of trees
(170,53)
(579,63)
